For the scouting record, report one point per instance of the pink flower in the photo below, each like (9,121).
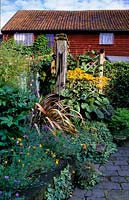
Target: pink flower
(25,136)
(17,194)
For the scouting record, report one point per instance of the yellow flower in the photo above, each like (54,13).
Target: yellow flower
(40,145)
(5,161)
(23,165)
(20,144)
(57,161)
(28,154)
(19,139)
(53,155)
(19,160)
(34,147)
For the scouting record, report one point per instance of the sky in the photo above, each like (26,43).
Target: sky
(10,7)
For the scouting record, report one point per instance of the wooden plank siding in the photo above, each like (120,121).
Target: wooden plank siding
(80,43)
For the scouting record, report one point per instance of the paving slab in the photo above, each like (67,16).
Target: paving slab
(114,184)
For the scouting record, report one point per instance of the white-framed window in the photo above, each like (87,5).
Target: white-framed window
(106,38)
(50,38)
(25,39)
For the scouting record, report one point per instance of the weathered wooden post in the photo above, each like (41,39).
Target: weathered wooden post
(101,62)
(61,61)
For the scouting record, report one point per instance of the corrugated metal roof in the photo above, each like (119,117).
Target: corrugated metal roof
(88,20)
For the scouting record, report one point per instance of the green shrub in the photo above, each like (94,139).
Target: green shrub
(87,174)
(22,164)
(40,46)
(119,124)
(13,65)
(15,106)
(62,187)
(119,84)
(82,94)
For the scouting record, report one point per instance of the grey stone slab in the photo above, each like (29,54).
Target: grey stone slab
(95,198)
(121,162)
(118,195)
(123,152)
(119,179)
(112,167)
(124,167)
(110,173)
(111,185)
(78,194)
(113,158)
(95,193)
(125,186)
(123,172)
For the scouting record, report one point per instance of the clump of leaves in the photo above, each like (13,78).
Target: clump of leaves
(15,106)
(119,124)
(117,92)
(53,113)
(62,187)
(88,175)
(12,64)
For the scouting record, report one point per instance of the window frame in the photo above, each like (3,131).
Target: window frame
(51,39)
(106,38)
(26,39)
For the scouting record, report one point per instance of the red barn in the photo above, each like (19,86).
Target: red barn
(86,30)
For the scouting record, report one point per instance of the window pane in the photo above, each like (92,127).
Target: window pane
(25,39)
(50,38)
(106,38)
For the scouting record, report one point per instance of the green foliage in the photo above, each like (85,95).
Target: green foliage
(103,137)
(12,64)
(40,46)
(89,57)
(117,90)
(42,59)
(87,174)
(71,62)
(82,91)
(23,163)
(15,107)
(119,124)
(61,188)
(88,101)
(82,146)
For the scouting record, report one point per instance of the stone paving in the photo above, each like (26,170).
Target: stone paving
(114,184)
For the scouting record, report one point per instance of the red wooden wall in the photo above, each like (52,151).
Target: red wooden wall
(80,43)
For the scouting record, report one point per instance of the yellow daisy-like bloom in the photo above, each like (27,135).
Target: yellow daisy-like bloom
(6,162)
(102,82)
(57,161)
(79,74)
(19,139)
(40,145)
(20,144)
